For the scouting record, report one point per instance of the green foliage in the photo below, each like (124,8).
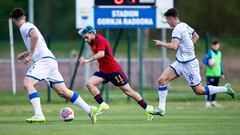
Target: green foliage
(57,18)
(218,17)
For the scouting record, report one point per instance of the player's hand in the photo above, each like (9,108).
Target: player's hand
(211,63)
(83,60)
(27,59)
(158,42)
(22,55)
(223,77)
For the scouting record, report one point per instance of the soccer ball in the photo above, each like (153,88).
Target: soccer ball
(66,114)
(211,62)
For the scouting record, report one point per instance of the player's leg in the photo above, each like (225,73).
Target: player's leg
(208,98)
(168,75)
(92,83)
(75,98)
(138,98)
(211,99)
(120,80)
(56,81)
(213,96)
(28,84)
(191,73)
(209,90)
(31,79)
(70,95)
(34,98)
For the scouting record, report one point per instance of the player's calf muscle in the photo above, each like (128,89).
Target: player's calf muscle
(199,90)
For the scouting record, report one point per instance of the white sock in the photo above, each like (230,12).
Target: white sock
(81,103)
(37,106)
(35,100)
(103,103)
(215,89)
(162,93)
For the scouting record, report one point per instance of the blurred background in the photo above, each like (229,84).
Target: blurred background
(186,114)
(56,20)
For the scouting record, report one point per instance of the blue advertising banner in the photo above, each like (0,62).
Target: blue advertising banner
(125,17)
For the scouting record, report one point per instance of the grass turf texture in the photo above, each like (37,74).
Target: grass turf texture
(186,115)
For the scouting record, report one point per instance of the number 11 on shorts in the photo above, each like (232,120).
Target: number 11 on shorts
(119,79)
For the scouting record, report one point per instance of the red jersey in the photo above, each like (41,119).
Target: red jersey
(107,64)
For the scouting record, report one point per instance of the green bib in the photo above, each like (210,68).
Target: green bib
(216,70)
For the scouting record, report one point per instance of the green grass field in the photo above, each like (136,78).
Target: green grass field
(186,115)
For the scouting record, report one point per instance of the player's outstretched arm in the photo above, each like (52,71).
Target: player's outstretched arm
(97,56)
(172,45)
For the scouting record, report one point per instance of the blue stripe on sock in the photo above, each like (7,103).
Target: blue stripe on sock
(74,97)
(207,90)
(162,88)
(33,95)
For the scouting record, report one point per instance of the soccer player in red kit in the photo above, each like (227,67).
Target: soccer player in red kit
(109,70)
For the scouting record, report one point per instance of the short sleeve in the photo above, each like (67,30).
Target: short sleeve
(191,30)
(27,29)
(176,34)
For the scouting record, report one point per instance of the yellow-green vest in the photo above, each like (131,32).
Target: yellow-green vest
(216,70)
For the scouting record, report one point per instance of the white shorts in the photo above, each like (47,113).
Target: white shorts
(189,70)
(45,69)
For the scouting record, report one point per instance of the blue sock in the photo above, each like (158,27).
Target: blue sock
(207,92)
(74,97)
(33,95)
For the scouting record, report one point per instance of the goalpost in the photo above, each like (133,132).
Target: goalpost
(12,55)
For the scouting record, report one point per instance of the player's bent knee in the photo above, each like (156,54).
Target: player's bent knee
(27,85)
(126,91)
(162,81)
(88,84)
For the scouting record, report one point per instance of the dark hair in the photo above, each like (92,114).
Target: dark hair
(215,42)
(171,12)
(16,13)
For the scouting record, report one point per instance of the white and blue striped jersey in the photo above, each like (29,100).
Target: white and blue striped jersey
(41,49)
(184,34)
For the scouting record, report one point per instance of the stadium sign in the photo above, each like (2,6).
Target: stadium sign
(125,17)
(122,13)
